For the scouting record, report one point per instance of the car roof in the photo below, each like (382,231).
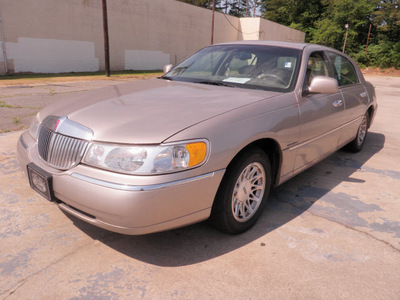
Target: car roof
(293,45)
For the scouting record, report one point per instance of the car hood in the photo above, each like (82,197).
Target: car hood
(150,111)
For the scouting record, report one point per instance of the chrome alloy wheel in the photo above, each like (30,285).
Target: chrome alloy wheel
(248,192)
(362,131)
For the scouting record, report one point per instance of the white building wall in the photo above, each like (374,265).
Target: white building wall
(52,36)
(52,56)
(145,60)
(250,29)
(273,31)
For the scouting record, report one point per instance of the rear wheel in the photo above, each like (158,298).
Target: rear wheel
(357,144)
(243,192)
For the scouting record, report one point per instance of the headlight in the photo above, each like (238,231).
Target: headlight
(147,160)
(33,129)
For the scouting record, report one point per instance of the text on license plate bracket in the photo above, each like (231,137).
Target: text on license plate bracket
(41,181)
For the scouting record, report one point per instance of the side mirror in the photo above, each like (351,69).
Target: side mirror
(323,85)
(167,68)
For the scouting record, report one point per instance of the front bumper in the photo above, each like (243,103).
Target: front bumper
(127,204)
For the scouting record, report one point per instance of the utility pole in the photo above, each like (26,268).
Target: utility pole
(106,44)
(369,33)
(345,39)
(212,22)
(4,47)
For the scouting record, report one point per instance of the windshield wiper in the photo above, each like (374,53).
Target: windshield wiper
(219,83)
(165,77)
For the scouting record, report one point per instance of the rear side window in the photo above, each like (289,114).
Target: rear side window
(344,69)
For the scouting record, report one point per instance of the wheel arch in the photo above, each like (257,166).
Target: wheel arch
(371,113)
(222,215)
(273,151)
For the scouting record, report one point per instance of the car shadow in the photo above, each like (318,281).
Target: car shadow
(200,242)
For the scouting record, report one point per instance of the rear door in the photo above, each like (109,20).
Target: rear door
(354,95)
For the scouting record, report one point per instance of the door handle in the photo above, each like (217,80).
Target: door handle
(363,94)
(337,103)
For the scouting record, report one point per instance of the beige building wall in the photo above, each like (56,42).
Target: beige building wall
(262,29)
(53,36)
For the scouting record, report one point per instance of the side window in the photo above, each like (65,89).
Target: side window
(317,65)
(344,69)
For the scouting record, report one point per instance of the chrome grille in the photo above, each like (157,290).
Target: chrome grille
(60,151)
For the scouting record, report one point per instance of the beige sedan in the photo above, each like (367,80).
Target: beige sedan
(206,140)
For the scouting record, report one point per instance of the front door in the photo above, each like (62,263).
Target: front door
(321,116)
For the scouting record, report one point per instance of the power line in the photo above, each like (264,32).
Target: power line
(237,29)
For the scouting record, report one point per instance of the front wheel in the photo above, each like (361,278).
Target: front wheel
(357,144)
(243,192)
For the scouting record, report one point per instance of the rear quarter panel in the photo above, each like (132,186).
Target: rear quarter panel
(372,100)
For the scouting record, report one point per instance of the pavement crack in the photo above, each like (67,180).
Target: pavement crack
(359,231)
(344,225)
(22,282)
(3,158)
(50,93)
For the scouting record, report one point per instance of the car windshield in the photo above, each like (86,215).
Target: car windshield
(247,66)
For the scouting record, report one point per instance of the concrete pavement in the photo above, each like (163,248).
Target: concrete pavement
(19,103)
(332,232)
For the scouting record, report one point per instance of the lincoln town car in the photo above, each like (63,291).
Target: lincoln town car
(207,140)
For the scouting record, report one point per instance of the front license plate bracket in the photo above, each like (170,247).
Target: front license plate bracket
(41,181)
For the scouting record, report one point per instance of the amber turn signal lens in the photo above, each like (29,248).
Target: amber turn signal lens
(197,153)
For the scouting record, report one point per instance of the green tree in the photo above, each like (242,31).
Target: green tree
(386,18)
(331,29)
(236,8)
(324,22)
(200,3)
(384,49)
(298,14)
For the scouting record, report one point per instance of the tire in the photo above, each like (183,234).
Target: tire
(357,144)
(243,192)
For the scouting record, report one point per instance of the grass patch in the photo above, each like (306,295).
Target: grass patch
(79,74)
(38,79)
(391,72)
(3,104)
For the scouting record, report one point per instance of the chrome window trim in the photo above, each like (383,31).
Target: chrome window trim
(137,188)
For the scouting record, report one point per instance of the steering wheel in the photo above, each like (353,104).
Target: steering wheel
(273,76)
